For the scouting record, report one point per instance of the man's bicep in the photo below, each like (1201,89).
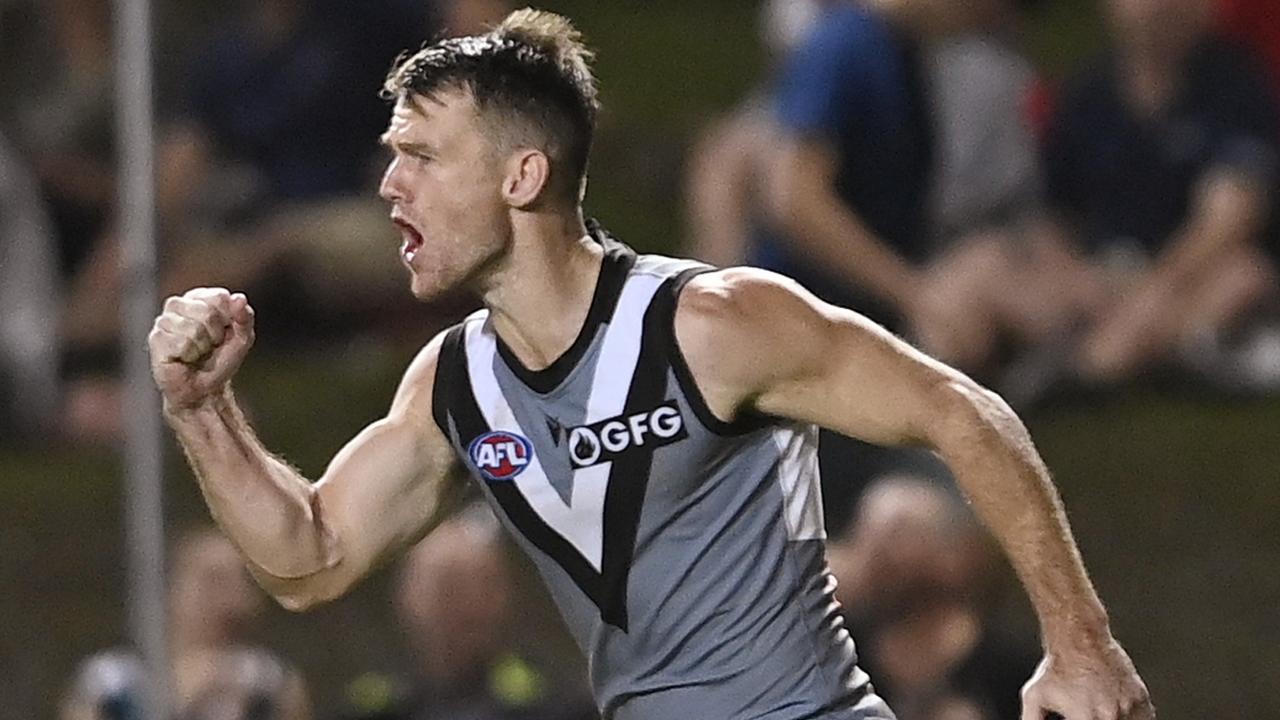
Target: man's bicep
(385,489)
(776,349)
(860,381)
(391,483)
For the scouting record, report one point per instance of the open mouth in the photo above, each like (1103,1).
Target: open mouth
(411,239)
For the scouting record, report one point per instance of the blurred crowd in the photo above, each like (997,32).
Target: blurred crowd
(918,579)
(903,158)
(900,157)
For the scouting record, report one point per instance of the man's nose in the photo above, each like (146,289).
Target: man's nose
(392,188)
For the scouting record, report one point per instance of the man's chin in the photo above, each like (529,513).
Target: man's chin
(426,291)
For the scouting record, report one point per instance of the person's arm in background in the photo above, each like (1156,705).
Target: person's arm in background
(822,82)
(1229,211)
(725,173)
(304,543)
(757,342)
(804,205)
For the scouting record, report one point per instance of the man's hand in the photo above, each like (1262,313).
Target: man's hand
(1102,685)
(198,343)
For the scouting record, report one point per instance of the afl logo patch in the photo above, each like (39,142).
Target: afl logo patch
(500,455)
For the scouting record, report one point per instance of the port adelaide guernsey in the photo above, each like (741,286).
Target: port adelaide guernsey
(684,553)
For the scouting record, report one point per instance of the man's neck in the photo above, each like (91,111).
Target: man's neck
(540,296)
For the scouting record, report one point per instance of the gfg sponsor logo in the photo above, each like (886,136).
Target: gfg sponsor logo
(500,455)
(604,441)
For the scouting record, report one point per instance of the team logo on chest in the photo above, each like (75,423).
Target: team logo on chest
(606,440)
(500,455)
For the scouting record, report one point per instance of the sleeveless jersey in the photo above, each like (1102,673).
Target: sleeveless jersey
(684,553)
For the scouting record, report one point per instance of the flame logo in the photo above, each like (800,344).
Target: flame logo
(584,446)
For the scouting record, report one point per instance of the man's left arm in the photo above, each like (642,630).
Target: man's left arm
(757,342)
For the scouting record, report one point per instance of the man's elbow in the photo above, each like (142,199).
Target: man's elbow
(303,594)
(967,416)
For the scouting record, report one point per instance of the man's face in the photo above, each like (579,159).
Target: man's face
(212,590)
(444,183)
(455,598)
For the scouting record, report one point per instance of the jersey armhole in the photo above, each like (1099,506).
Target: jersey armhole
(450,370)
(746,422)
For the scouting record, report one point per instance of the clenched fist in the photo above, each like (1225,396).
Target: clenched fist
(198,343)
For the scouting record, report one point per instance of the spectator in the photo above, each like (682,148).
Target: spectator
(979,187)
(455,600)
(729,163)
(217,675)
(108,686)
(213,604)
(1161,167)
(849,176)
(28,293)
(916,579)
(244,685)
(984,187)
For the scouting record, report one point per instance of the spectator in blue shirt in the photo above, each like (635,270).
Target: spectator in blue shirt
(849,183)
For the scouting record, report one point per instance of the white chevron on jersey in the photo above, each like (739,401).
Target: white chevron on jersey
(581,521)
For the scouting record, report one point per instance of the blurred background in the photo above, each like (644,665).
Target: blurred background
(1073,200)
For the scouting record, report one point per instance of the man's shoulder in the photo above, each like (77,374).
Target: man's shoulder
(735,290)
(737,312)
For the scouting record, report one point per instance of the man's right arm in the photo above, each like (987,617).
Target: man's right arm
(304,543)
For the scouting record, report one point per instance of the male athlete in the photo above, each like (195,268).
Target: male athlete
(645,427)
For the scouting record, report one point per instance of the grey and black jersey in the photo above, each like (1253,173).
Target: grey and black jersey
(684,552)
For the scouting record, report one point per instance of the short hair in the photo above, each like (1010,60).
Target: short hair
(531,74)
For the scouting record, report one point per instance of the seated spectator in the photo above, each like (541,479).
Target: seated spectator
(455,601)
(28,294)
(916,580)
(730,161)
(216,673)
(977,192)
(1161,166)
(107,686)
(849,172)
(213,604)
(244,685)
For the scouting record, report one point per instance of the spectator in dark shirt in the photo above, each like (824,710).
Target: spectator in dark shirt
(1161,169)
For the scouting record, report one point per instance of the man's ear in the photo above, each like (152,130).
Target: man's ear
(528,175)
